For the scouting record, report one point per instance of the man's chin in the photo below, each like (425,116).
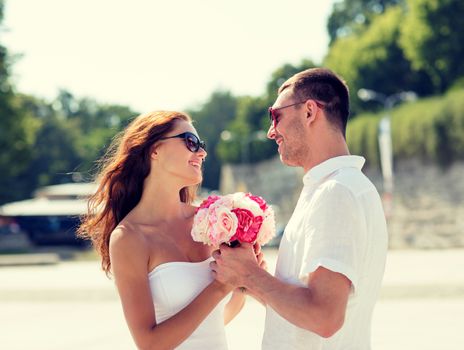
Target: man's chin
(286,161)
(282,159)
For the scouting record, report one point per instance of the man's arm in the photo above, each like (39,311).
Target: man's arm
(318,307)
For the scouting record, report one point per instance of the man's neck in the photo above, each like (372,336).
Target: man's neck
(335,147)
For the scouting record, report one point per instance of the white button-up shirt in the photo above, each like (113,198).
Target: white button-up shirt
(339,224)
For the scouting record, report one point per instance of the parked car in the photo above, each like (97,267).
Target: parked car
(53,215)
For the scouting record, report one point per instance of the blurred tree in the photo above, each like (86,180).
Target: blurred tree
(67,137)
(210,120)
(97,124)
(17,131)
(55,155)
(245,140)
(432,38)
(353,16)
(374,60)
(34,112)
(90,114)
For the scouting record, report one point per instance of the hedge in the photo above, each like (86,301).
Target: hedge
(430,129)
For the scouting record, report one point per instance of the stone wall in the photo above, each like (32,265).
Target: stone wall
(279,185)
(428,201)
(428,205)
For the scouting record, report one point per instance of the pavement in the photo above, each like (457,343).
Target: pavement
(29,259)
(72,305)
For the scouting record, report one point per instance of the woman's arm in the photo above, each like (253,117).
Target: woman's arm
(234,305)
(129,259)
(236,302)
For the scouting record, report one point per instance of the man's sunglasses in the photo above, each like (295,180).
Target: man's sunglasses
(192,142)
(273,117)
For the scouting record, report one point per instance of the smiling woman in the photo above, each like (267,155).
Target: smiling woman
(127,164)
(140,220)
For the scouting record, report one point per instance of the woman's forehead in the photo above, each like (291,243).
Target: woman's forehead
(183,126)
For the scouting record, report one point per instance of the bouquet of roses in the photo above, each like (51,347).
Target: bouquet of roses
(240,217)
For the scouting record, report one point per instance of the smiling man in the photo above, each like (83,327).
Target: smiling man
(332,255)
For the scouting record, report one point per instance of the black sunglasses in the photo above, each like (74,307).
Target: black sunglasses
(192,142)
(273,116)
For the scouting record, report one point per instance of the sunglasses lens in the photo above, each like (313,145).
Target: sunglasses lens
(192,143)
(272,118)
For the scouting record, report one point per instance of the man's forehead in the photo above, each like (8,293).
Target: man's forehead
(284,98)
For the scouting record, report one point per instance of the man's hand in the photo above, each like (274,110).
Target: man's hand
(234,265)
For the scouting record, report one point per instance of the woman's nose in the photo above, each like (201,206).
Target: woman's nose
(202,153)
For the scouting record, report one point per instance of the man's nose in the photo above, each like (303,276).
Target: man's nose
(271,132)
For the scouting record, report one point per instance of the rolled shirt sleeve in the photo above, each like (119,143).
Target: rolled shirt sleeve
(334,234)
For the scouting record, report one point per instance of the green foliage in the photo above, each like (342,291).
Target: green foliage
(47,143)
(97,124)
(413,131)
(17,136)
(374,60)
(353,16)
(247,141)
(432,38)
(361,136)
(210,119)
(431,129)
(17,130)
(55,154)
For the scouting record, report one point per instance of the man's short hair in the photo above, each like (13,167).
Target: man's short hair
(326,87)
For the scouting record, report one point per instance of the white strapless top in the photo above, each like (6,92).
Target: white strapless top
(173,286)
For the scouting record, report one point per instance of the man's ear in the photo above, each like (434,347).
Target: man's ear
(310,118)
(310,107)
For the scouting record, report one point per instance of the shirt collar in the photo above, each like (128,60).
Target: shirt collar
(331,165)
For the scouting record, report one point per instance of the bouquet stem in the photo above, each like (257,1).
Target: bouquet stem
(234,244)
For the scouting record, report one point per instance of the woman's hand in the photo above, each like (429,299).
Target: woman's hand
(260,256)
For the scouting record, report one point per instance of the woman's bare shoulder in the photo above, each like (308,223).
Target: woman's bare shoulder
(126,236)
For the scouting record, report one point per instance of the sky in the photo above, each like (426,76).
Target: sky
(152,54)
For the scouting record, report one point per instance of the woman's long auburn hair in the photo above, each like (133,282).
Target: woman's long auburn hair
(124,168)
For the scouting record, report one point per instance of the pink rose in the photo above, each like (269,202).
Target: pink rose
(248,225)
(267,230)
(261,202)
(200,226)
(223,224)
(208,201)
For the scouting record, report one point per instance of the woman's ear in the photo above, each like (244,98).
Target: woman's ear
(154,152)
